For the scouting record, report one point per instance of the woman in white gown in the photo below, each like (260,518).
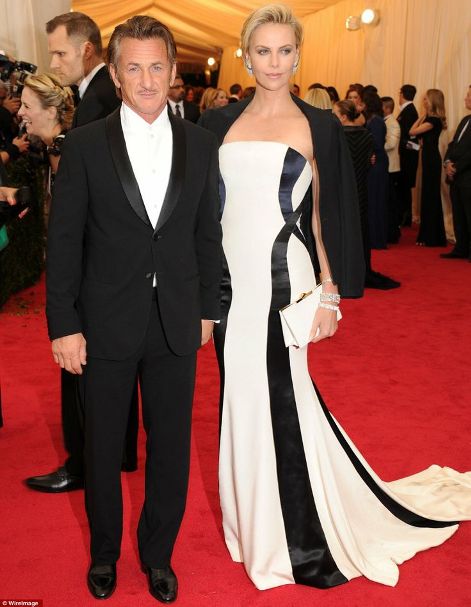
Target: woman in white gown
(299,503)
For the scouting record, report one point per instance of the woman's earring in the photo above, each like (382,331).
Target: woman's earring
(294,68)
(249,69)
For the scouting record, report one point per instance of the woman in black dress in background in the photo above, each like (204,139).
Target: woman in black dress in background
(378,177)
(361,146)
(429,127)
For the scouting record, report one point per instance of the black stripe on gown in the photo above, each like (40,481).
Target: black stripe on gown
(399,511)
(219,334)
(311,560)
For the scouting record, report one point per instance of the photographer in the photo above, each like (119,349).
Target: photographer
(11,145)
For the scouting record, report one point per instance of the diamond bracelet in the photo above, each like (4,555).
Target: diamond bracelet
(329,307)
(333,297)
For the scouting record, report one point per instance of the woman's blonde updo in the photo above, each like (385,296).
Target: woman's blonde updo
(271,13)
(51,93)
(318,98)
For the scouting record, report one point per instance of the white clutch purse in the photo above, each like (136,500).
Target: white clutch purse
(296,318)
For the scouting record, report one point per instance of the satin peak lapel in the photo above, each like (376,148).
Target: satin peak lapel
(177,171)
(123,166)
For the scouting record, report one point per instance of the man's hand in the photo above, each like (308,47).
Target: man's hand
(450,169)
(12,104)
(70,352)
(206,331)
(8,194)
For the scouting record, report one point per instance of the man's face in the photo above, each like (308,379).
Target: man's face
(467,99)
(143,74)
(177,90)
(66,56)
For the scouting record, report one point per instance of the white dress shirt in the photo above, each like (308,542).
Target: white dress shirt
(466,124)
(173,105)
(405,104)
(150,148)
(88,78)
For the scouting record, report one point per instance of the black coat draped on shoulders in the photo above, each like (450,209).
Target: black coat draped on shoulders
(338,200)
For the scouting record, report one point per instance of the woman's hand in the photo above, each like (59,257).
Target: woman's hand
(22,143)
(324,325)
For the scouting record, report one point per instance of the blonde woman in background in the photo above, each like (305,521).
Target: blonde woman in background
(428,128)
(47,109)
(319,98)
(213,98)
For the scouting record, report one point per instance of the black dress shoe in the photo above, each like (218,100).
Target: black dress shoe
(58,481)
(452,255)
(101,580)
(163,584)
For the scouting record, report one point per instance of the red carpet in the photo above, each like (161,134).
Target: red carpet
(396,377)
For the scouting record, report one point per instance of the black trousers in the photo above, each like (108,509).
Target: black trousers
(167,385)
(404,194)
(460,195)
(73,425)
(394,216)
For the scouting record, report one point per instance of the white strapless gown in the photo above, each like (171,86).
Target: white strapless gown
(299,502)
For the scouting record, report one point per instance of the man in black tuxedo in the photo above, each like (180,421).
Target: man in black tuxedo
(75,47)
(458,172)
(235,93)
(177,103)
(408,152)
(133,274)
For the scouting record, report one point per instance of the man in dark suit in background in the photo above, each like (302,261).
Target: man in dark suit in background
(177,103)
(458,172)
(133,278)
(408,152)
(235,93)
(74,43)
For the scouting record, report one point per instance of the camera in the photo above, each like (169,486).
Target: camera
(15,72)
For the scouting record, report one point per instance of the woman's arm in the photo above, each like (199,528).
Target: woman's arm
(325,320)
(420,126)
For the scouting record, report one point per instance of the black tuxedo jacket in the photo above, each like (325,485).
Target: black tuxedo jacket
(98,101)
(459,152)
(103,251)
(191,111)
(338,199)
(409,158)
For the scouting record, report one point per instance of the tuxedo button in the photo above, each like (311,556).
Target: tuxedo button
(157,236)
(149,275)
